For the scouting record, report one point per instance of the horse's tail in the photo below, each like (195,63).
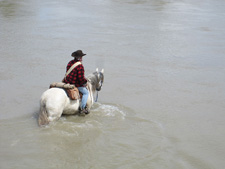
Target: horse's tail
(43,117)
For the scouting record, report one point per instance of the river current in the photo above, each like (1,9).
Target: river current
(162,103)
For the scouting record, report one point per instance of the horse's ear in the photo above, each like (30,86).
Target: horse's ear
(96,69)
(102,71)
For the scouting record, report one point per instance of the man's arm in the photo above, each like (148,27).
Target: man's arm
(81,77)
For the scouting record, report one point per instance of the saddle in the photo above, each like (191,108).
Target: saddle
(72,91)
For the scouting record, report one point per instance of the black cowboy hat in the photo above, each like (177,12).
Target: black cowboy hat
(78,53)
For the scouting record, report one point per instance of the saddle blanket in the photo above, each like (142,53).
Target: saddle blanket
(62,85)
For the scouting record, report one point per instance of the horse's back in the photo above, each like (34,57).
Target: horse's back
(54,90)
(54,94)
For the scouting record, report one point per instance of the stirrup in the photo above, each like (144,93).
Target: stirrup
(82,112)
(87,111)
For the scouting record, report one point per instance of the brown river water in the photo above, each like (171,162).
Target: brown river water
(162,105)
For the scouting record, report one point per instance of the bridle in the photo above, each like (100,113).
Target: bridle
(100,86)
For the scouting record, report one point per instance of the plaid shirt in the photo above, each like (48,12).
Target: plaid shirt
(76,76)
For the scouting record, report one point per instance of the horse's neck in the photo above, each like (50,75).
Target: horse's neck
(91,91)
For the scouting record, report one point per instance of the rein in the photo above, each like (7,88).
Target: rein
(96,99)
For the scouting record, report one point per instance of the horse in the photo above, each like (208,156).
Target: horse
(54,102)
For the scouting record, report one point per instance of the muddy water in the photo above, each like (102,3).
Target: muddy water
(162,102)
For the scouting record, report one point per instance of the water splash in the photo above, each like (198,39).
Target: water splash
(109,110)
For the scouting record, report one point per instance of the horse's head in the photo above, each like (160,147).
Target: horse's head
(97,79)
(100,79)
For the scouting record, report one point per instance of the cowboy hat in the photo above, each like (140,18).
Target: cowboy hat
(78,53)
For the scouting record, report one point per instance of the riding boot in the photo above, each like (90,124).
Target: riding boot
(82,112)
(87,111)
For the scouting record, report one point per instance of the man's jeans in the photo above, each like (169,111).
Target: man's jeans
(85,93)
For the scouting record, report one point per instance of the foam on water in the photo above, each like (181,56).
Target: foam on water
(100,117)
(109,110)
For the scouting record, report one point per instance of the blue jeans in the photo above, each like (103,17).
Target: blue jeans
(85,93)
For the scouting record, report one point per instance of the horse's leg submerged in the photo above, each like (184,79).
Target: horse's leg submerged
(48,113)
(43,116)
(51,106)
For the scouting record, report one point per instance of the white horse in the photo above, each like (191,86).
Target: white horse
(55,102)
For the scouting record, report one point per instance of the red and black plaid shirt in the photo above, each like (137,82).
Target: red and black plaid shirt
(76,76)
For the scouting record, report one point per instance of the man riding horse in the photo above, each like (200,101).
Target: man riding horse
(76,77)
